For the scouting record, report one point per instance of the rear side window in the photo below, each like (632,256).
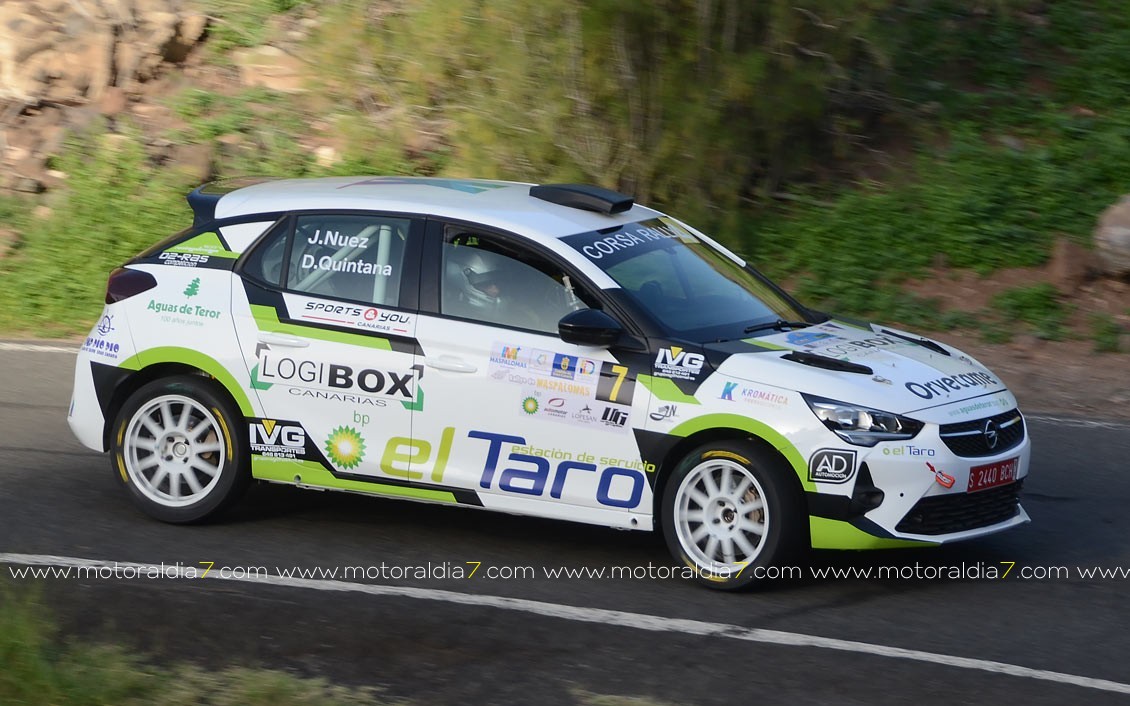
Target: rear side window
(354,257)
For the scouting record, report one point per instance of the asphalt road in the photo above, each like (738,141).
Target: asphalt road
(57,498)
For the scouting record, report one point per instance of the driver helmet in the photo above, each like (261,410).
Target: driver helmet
(477,274)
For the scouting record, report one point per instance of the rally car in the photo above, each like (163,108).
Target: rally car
(553,350)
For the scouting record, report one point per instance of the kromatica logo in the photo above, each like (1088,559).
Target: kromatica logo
(345,447)
(193,288)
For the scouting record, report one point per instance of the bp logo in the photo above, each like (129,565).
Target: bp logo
(530,405)
(831,466)
(345,447)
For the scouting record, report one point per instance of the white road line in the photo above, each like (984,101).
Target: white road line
(638,621)
(38,348)
(1077,422)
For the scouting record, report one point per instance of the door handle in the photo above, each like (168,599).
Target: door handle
(282,339)
(450,362)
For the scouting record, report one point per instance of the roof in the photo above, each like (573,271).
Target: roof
(501,204)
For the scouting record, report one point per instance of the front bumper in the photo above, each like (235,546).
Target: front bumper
(900,493)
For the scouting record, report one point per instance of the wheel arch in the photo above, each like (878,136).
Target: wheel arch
(716,428)
(166,362)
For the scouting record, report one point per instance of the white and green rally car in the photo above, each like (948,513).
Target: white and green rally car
(552,350)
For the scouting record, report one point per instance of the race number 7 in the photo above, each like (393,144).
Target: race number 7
(615,385)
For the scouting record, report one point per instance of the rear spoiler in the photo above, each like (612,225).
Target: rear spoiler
(203,199)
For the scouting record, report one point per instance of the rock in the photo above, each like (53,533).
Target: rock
(269,67)
(113,101)
(325,156)
(1070,265)
(28,185)
(69,52)
(1112,239)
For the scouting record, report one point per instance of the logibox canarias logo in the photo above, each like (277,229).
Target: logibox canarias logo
(345,447)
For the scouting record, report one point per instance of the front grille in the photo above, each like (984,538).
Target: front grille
(968,438)
(957,512)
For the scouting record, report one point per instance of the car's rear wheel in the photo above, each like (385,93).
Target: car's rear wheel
(178,447)
(730,512)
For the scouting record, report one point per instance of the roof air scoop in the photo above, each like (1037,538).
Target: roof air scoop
(583,196)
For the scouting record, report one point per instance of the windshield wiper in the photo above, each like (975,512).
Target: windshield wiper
(779,324)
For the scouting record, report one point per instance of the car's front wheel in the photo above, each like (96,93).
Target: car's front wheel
(730,511)
(178,446)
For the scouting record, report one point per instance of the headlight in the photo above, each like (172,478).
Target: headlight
(862,426)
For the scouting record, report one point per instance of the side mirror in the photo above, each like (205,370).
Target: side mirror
(589,327)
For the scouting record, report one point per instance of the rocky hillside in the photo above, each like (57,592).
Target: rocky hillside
(64,61)
(935,164)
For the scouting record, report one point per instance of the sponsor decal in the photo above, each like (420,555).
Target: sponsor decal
(184,313)
(954,383)
(564,366)
(619,486)
(942,478)
(614,416)
(806,338)
(357,316)
(571,388)
(980,406)
(333,396)
(831,466)
(674,362)
(908,450)
(840,348)
(530,405)
(345,447)
(99,345)
(277,439)
(753,395)
(664,412)
(293,372)
(182,259)
(541,360)
(641,234)
(508,356)
(105,325)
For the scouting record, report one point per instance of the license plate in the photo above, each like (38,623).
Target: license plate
(993,474)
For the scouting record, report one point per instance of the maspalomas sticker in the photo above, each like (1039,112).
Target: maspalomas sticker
(831,466)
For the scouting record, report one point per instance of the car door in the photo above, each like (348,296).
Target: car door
(529,422)
(327,337)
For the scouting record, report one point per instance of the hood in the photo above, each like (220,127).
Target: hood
(879,367)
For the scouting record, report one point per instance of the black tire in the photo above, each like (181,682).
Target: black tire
(713,529)
(180,448)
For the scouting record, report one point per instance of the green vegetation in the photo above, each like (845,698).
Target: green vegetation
(1105,333)
(115,204)
(1037,306)
(844,146)
(40,671)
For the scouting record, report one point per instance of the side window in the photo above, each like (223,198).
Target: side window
(348,257)
(487,280)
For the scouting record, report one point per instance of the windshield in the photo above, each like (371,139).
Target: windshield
(691,289)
